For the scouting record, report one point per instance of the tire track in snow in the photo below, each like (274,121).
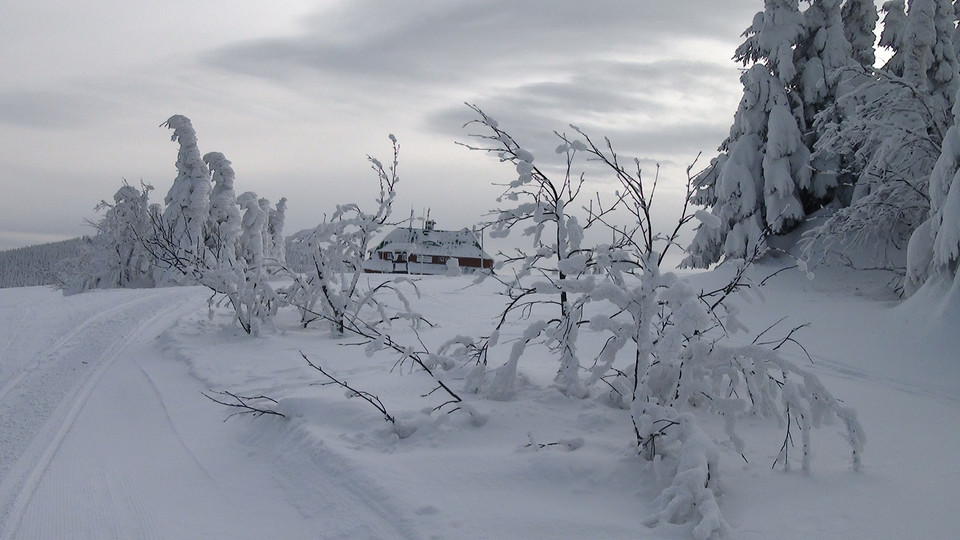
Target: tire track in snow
(853,373)
(38,406)
(317,482)
(321,482)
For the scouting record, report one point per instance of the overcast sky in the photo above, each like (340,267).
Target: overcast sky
(297,93)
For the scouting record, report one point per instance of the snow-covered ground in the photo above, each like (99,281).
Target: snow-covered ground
(104,432)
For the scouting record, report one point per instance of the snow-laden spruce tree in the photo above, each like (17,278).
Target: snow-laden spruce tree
(930,61)
(756,182)
(859,26)
(934,247)
(223,227)
(890,127)
(772,38)
(893,34)
(956,32)
(820,56)
(827,69)
(799,62)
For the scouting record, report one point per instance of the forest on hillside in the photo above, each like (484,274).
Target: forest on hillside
(38,265)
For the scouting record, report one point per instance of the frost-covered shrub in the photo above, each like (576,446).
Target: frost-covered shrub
(330,256)
(116,255)
(667,357)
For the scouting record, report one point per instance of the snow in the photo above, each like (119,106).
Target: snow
(106,433)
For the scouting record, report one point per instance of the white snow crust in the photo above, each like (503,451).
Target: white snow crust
(105,433)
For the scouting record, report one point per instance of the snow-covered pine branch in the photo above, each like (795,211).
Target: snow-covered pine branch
(889,127)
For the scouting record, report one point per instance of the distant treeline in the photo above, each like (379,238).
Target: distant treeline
(36,265)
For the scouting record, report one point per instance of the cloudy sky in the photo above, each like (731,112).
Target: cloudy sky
(297,93)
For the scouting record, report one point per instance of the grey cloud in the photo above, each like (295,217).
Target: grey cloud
(43,109)
(538,64)
(652,109)
(448,42)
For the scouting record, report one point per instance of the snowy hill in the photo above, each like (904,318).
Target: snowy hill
(106,433)
(33,265)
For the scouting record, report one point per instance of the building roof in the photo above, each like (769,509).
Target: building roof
(429,241)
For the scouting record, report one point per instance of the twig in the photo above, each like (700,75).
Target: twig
(366,396)
(242,403)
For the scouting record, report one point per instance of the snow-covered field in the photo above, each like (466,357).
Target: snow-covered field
(104,431)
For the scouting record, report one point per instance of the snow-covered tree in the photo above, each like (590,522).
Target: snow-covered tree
(859,26)
(116,255)
(827,70)
(930,62)
(666,358)
(934,247)
(252,226)
(275,222)
(198,238)
(542,209)
(223,228)
(772,38)
(188,201)
(757,182)
(890,129)
(956,32)
(765,177)
(333,253)
(924,58)
(821,54)
(253,299)
(42,264)
(893,34)
(265,233)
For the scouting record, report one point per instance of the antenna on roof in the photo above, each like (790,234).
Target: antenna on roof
(428,224)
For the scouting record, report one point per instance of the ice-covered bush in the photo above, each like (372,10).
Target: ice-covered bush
(331,256)
(115,256)
(668,357)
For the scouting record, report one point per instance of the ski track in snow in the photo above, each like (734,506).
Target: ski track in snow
(39,404)
(106,437)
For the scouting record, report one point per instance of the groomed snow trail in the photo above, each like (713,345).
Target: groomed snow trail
(105,436)
(41,399)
